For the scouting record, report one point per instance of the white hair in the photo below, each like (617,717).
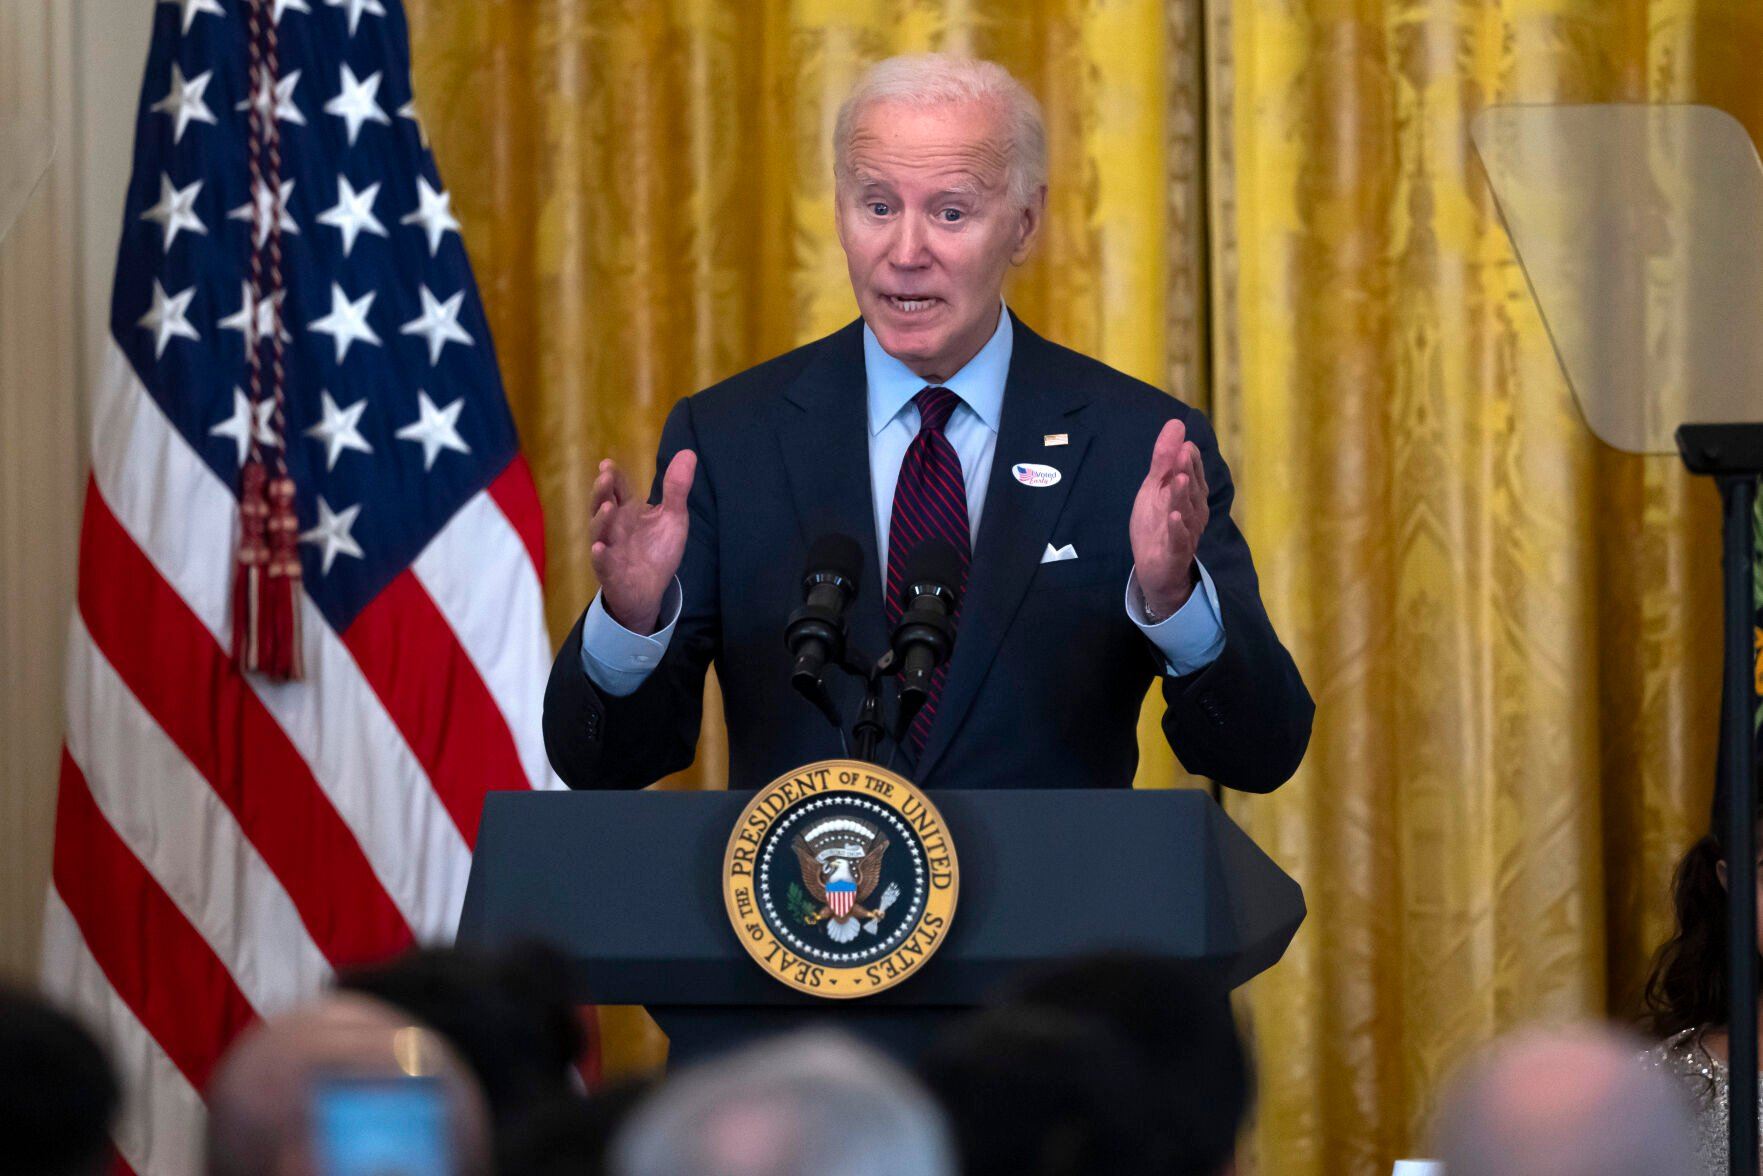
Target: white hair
(938,79)
(815,1103)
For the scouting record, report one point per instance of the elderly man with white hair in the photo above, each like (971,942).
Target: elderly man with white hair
(1577,1101)
(810,1104)
(1089,513)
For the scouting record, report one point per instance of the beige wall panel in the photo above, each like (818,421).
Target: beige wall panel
(39,467)
(75,68)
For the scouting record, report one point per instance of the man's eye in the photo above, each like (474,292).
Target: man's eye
(878,208)
(951,215)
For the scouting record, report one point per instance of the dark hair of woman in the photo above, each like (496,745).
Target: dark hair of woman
(1687,985)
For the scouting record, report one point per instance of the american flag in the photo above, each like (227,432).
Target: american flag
(224,841)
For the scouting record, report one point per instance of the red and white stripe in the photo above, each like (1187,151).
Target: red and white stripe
(223,843)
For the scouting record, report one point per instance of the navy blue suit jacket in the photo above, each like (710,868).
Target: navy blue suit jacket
(1048,672)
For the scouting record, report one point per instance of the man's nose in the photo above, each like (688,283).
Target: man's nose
(907,249)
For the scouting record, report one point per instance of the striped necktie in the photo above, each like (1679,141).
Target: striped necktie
(930,499)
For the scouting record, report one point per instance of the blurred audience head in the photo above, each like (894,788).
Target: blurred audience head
(510,1016)
(1176,1019)
(58,1094)
(810,1104)
(1041,1092)
(260,1119)
(1563,1102)
(570,1136)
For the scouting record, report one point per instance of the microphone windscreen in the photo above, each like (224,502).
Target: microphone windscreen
(835,553)
(934,561)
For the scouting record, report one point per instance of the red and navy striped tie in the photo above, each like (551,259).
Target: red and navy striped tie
(930,499)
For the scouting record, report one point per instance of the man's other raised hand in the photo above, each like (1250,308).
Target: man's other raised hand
(636,547)
(1168,517)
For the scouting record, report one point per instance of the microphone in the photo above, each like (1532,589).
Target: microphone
(816,632)
(925,636)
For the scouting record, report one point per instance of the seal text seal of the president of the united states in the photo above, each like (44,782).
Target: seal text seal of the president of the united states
(840,879)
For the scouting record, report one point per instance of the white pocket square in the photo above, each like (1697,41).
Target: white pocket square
(1056,554)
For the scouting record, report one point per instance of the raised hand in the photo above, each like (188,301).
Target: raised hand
(1168,517)
(636,548)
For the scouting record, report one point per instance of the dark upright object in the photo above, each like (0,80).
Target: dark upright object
(1733,456)
(924,636)
(627,886)
(816,633)
(1048,674)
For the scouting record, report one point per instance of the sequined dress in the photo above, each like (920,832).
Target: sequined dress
(1685,1058)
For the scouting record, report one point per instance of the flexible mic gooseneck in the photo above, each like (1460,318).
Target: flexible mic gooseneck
(925,636)
(816,631)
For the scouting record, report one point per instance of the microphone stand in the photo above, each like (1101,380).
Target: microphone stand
(868,729)
(1733,456)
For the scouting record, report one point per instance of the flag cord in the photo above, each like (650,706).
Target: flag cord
(266,588)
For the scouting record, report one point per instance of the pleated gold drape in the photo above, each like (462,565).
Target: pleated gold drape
(1273,210)
(1512,633)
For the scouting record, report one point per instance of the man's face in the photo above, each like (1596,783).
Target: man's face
(929,229)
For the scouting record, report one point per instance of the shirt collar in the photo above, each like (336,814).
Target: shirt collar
(980,384)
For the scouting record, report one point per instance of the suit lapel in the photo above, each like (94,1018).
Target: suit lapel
(823,430)
(1015,524)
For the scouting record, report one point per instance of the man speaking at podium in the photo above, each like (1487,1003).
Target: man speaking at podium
(1088,512)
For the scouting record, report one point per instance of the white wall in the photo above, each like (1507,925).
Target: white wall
(76,66)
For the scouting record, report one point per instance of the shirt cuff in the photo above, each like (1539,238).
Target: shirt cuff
(1190,640)
(615,659)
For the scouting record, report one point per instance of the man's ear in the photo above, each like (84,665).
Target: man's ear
(1028,228)
(1720,872)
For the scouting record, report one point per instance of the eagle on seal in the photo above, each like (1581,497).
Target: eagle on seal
(841,861)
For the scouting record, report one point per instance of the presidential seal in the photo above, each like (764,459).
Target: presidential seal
(840,879)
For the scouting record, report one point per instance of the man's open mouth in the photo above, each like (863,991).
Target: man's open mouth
(913,305)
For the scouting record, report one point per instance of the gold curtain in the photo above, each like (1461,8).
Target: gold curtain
(1512,634)
(1272,210)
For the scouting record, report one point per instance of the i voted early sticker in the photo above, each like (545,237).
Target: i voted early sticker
(1030,474)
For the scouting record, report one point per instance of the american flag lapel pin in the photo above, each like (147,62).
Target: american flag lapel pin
(1051,439)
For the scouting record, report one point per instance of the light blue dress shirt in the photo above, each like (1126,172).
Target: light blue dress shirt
(617,660)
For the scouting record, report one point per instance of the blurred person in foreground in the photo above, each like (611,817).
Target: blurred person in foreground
(570,1137)
(1041,1092)
(1563,1102)
(1687,996)
(260,1101)
(1177,1019)
(58,1092)
(808,1104)
(509,1014)
(1119,1062)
